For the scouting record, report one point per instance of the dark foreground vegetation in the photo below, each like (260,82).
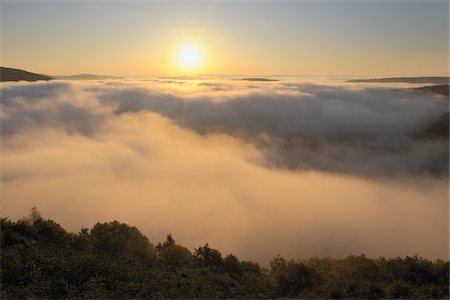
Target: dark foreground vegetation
(39,259)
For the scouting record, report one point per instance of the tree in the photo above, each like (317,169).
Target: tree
(208,257)
(173,255)
(118,238)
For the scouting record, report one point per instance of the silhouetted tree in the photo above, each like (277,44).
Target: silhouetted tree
(118,238)
(208,257)
(173,255)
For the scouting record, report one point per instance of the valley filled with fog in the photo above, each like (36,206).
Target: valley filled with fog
(299,167)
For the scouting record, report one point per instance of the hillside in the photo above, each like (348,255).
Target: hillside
(257,79)
(433,80)
(10,74)
(437,129)
(434,89)
(113,260)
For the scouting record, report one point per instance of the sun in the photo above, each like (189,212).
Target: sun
(189,57)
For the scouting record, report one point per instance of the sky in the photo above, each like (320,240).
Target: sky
(140,38)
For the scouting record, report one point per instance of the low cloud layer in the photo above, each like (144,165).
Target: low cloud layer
(370,131)
(289,168)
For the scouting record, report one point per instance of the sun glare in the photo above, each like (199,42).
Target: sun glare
(189,57)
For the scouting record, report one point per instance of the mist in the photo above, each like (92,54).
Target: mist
(254,169)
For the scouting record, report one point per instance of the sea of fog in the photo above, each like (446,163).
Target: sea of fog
(299,167)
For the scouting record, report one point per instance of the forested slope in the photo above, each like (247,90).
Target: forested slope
(39,259)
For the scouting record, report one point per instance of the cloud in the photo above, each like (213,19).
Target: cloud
(311,111)
(232,167)
(367,131)
(56,105)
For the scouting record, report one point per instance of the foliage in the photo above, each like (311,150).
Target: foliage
(40,259)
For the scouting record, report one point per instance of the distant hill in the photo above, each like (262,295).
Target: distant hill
(435,89)
(257,79)
(85,77)
(437,129)
(433,80)
(10,74)
(440,127)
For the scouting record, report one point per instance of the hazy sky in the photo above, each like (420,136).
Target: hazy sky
(364,38)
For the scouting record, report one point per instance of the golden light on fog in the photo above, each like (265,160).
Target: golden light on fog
(189,57)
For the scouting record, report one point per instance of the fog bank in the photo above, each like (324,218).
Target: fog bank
(294,168)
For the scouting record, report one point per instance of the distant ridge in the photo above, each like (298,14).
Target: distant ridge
(257,79)
(435,89)
(10,74)
(433,80)
(85,77)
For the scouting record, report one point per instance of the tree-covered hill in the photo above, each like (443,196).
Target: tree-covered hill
(39,259)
